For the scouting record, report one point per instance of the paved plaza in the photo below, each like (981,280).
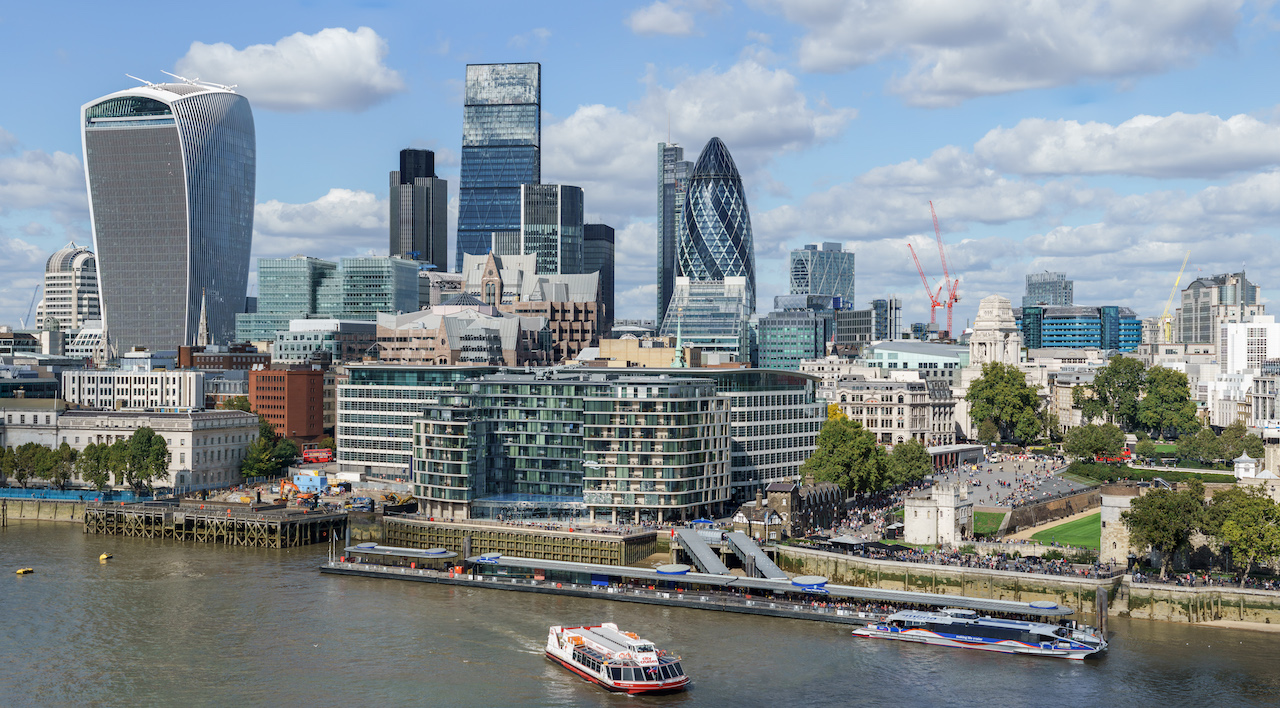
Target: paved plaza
(1012,482)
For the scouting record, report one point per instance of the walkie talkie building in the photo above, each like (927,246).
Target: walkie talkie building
(171,173)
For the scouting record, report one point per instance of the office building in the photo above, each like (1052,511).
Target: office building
(367,285)
(70,289)
(673,177)
(1209,302)
(551,229)
(324,341)
(712,315)
(900,410)
(291,399)
(420,210)
(1047,288)
(597,257)
(464,331)
(171,174)
(1246,347)
(286,291)
(855,329)
(888,319)
(1079,327)
(236,357)
(801,327)
(715,242)
(121,389)
(828,271)
(929,360)
(501,150)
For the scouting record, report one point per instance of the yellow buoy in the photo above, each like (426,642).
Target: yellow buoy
(104,556)
(26,571)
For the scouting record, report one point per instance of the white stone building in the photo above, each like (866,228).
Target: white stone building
(70,289)
(119,389)
(941,515)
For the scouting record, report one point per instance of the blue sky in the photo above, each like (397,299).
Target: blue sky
(1103,139)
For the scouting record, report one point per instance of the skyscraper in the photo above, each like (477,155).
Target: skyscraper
(888,319)
(673,176)
(823,272)
(419,210)
(171,175)
(1049,288)
(597,257)
(715,237)
(501,150)
(550,228)
(70,289)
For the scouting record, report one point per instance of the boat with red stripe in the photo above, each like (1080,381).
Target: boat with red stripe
(966,630)
(617,660)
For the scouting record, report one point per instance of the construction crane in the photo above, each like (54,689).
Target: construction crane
(951,286)
(934,302)
(1165,321)
(34,294)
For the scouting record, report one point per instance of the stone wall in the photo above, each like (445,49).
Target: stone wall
(1054,509)
(44,510)
(1172,603)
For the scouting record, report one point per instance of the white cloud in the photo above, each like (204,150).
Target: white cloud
(333,69)
(21,270)
(961,50)
(34,179)
(536,36)
(343,222)
(1179,145)
(8,143)
(670,18)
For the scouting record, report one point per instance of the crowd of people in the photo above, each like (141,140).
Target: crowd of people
(1205,579)
(1032,473)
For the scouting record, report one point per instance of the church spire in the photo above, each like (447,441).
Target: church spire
(202,335)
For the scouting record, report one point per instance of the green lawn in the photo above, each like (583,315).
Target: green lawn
(987,522)
(1085,532)
(1170,449)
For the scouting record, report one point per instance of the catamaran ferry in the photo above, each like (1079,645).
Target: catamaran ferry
(619,661)
(964,628)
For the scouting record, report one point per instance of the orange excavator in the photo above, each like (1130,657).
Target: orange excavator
(286,484)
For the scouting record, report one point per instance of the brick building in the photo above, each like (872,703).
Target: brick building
(292,399)
(239,357)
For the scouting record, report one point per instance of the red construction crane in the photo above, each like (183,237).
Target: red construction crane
(949,285)
(934,303)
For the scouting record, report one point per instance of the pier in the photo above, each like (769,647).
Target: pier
(262,526)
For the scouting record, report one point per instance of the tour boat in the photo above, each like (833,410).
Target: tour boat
(618,661)
(965,629)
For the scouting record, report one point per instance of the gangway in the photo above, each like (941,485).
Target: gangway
(707,560)
(753,557)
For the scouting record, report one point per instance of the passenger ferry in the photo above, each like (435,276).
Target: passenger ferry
(965,629)
(619,661)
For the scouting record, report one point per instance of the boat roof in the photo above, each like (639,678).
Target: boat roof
(612,640)
(942,617)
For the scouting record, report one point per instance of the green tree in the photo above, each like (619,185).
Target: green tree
(988,432)
(1091,408)
(1204,447)
(1236,440)
(117,460)
(26,459)
(1167,408)
(260,459)
(1117,388)
(1164,520)
(286,451)
(1089,441)
(91,465)
(1002,395)
(147,459)
(236,403)
(1053,428)
(848,455)
(64,461)
(327,443)
(7,462)
(1145,449)
(45,462)
(909,461)
(1248,522)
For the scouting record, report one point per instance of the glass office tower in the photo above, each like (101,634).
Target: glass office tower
(673,176)
(171,173)
(420,210)
(715,240)
(501,150)
(597,257)
(823,272)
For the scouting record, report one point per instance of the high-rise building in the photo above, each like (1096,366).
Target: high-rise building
(888,319)
(673,177)
(171,175)
(823,272)
(550,229)
(286,291)
(420,210)
(712,315)
(70,289)
(800,328)
(597,257)
(715,241)
(501,150)
(1049,288)
(1210,301)
(1078,327)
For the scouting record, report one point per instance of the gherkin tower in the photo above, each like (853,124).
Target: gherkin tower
(715,234)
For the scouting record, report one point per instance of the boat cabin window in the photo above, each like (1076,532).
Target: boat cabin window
(644,647)
(615,673)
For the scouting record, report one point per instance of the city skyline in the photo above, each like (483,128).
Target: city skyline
(844,130)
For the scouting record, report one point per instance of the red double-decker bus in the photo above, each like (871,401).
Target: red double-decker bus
(319,454)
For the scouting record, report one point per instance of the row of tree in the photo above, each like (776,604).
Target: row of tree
(1244,520)
(849,455)
(136,461)
(1091,441)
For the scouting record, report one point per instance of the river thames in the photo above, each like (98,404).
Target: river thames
(166,624)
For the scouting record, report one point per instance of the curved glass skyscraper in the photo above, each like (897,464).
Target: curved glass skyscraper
(715,235)
(171,173)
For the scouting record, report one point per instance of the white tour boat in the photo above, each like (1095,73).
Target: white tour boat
(619,661)
(965,629)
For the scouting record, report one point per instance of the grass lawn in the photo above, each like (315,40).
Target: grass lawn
(987,522)
(1086,532)
(1171,449)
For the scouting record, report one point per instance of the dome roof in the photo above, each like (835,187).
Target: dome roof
(65,259)
(715,161)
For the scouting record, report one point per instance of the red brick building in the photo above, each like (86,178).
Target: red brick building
(239,357)
(292,399)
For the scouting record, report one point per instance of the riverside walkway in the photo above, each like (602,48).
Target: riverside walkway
(707,560)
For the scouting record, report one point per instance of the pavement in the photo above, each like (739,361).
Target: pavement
(1027,482)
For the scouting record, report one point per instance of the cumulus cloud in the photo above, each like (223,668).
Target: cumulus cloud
(536,36)
(959,51)
(34,179)
(21,270)
(343,222)
(661,17)
(1178,145)
(333,69)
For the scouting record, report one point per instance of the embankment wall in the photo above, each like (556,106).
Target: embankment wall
(44,510)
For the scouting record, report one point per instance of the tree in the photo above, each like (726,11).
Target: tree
(7,464)
(834,411)
(1091,408)
(285,450)
(1117,388)
(1167,408)
(45,462)
(1002,395)
(1164,520)
(1235,440)
(1145,449)
(260,459)
(848,455)
(909,461)
(236,403)
(1089,441)
(1204,447)
(91,465)
(1053,427)
(64,460)
(147,458)
(1247,521)
(117,460)
(327,443)
(988,432)
(25,460)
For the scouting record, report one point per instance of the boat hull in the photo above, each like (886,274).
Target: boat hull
(671,686)
(1007,646)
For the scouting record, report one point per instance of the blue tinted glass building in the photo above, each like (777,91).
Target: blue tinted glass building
(501,150)
(1076,327)
(171,170)
(715,237)
(673,177)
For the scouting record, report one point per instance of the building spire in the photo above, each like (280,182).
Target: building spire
(678,361)
(202,335)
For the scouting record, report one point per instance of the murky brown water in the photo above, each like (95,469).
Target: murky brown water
(194,625)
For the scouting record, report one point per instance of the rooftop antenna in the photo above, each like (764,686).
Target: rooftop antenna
(142,80)
(183,79)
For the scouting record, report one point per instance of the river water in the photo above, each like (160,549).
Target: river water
(168,624)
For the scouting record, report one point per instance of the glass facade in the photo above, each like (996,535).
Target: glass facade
(673,176)
(171,175)
(1106,327)
(597,257)
(823,272)
(501,150)
(887,322)
(551,229)
(715,240)
(419,210)
(1049,288)
(711,314)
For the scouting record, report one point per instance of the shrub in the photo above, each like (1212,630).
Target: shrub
(1103,472)
(1054,555)
(968,549)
